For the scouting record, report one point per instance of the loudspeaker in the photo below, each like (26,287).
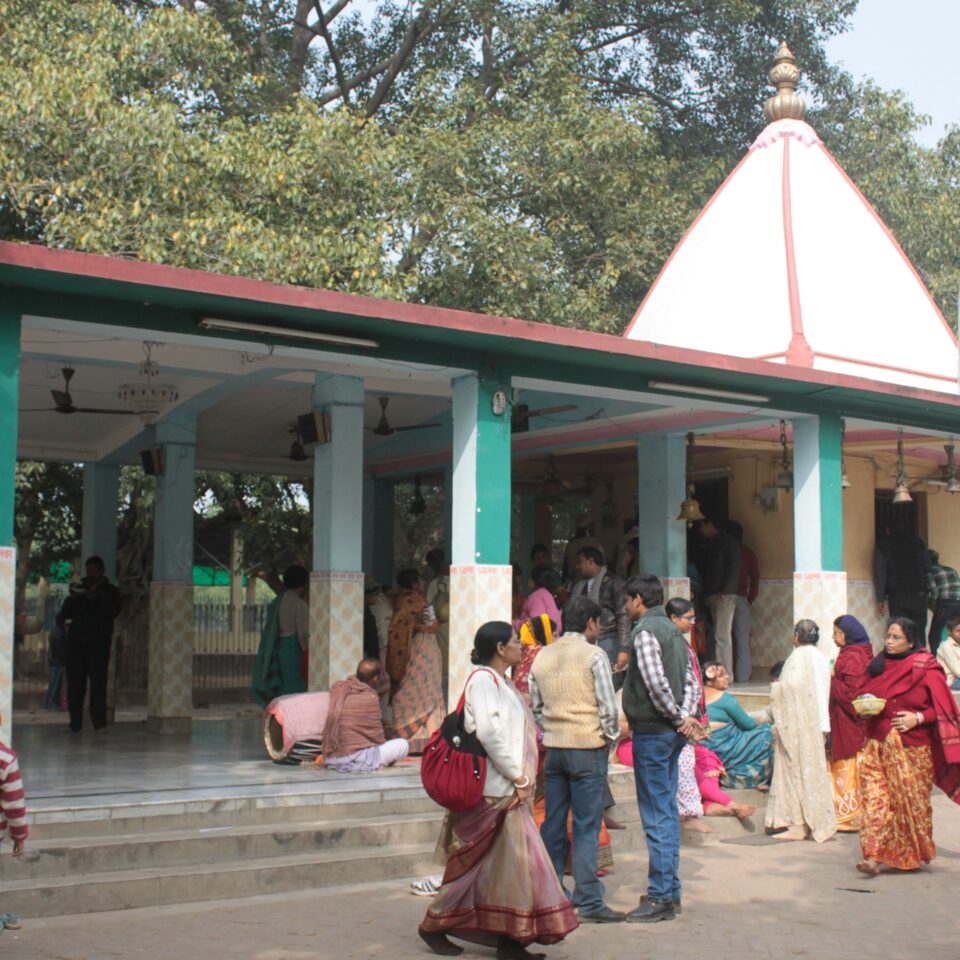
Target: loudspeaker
(153,461)
(314,427)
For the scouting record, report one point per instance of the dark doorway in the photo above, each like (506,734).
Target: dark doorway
(899,517)
(713,497)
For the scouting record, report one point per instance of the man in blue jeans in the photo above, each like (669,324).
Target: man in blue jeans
(573,701)
(660,697)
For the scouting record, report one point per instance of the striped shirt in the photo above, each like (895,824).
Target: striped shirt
(13,812)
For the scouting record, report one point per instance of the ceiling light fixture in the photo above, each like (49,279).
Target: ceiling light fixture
(286,333)
(148,398)
(707,392)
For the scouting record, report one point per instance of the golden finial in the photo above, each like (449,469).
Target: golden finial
(785,104)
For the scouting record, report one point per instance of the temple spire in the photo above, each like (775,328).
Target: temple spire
(785,104)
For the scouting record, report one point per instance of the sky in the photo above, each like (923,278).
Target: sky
(907,45)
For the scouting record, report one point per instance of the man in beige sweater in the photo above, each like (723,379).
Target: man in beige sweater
(573,701)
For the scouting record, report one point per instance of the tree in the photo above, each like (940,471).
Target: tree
(525,157)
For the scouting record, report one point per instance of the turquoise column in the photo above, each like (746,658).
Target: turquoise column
(378,529)
(661,462)
(336,582)
(481,474)
(98,531)
(448,511)
(480,572)
(9,402)
(170,694)
(819,580)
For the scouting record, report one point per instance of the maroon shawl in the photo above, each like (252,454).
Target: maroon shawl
(847,728)
(922,670)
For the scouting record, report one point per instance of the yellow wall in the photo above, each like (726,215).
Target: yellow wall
(943,525)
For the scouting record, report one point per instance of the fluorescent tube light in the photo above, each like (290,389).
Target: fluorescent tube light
(707,392)
(286,333)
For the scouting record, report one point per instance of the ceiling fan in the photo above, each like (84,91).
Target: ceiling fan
(63,402)
(384,429)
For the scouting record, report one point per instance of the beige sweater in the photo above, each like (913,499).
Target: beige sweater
(948,655)
(565,681)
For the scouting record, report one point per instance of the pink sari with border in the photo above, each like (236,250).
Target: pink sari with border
(498,879)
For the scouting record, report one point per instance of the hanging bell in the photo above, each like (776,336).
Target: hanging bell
(953,484)
(901,494)
(784,479)
(844,480)
(690,509)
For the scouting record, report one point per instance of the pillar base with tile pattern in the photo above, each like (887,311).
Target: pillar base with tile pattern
(336,627)
(170,688)
(821,596)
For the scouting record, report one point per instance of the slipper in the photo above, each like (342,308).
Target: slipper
(9,921)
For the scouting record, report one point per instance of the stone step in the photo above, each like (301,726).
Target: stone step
(91,855)
(125,889)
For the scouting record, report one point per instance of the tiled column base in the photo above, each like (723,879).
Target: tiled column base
(676,587)
(336,627)
(477,594)
(820,596)
(8,576)
(170,688)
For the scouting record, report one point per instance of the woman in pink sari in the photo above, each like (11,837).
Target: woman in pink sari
(499,887)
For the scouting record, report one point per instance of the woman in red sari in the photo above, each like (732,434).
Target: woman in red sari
(499,886)
(912,743)
(535,634)
(847,728)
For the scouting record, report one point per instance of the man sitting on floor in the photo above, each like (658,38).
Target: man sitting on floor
(353,739)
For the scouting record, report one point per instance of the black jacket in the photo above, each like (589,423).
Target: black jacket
(89,614)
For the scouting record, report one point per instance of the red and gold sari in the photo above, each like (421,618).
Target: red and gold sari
(897,774)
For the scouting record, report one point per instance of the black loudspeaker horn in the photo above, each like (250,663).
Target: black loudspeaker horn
(314,427)
(153,461)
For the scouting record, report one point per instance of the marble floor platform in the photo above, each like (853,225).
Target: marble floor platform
(218,759)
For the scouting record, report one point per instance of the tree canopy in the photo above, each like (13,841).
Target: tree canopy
(538,158)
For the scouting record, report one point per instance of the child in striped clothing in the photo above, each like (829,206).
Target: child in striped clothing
(13,813)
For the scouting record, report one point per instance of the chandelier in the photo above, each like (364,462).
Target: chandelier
(148,398)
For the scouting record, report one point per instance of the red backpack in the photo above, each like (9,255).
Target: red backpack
(454,764)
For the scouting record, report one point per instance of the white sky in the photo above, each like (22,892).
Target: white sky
(907,45)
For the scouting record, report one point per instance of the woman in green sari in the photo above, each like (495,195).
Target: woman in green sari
(278,668)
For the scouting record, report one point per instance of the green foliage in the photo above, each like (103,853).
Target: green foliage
(538,158)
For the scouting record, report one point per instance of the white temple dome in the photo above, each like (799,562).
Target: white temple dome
(788,262)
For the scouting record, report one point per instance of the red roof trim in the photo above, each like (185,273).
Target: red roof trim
(680,243)
(798,351)
(118,270)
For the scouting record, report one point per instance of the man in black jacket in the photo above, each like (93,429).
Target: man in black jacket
(88,614)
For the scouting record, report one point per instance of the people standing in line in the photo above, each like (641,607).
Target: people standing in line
(900,565)
(583,537)
(847,727)
(660,699)
(542,599)
(943,597)
(748,586)
(948,655)
(278,669)
(409,606)
(801,799)
(574,703)
(353,739)
(605,588)
(912,743)
(721,559)
(499,887)
(88,615)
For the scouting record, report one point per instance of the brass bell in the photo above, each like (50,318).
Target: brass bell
(901,494)
(690,509)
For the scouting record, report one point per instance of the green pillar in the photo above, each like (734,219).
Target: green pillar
(9,401)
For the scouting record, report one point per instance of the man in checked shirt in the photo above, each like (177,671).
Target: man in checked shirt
(660,699)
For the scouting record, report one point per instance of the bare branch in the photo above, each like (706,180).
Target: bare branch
(322,24)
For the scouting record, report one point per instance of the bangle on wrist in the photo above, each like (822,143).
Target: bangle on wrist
(524,784)
(919,717)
